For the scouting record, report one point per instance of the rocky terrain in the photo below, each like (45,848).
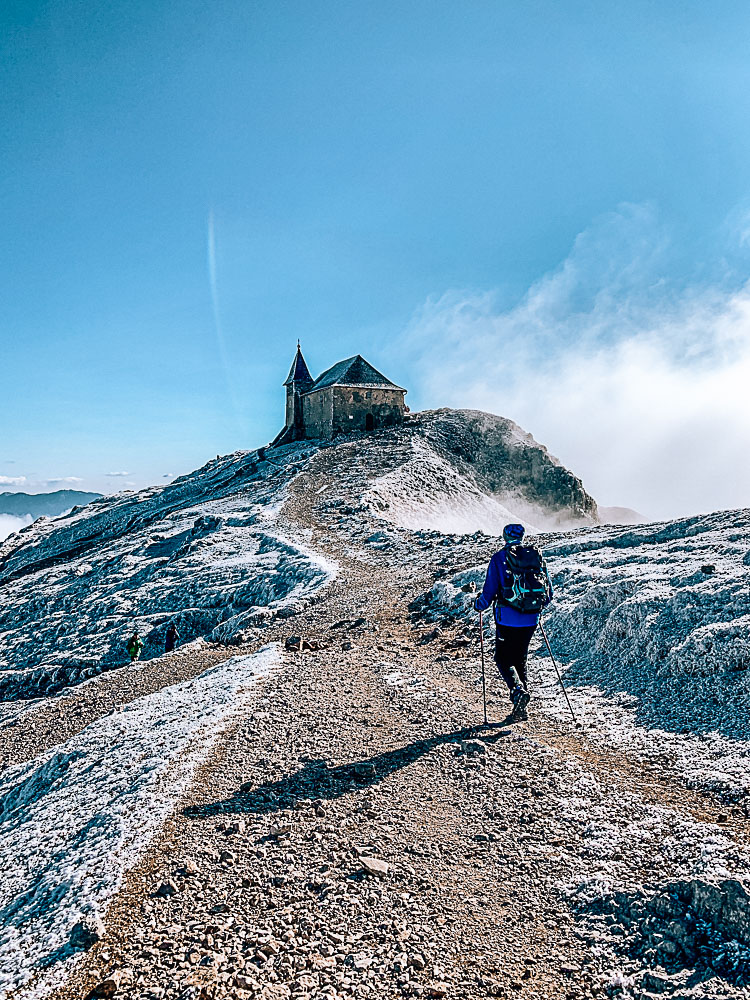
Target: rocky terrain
(206,552)
(301,800)
(196,553)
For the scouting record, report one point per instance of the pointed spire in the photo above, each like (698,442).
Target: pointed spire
(299,373)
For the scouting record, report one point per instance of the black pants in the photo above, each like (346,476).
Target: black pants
(511,650)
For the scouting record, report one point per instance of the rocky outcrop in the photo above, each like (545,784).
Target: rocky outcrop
(506,460)
(200,553)
(685,926)
(460,471)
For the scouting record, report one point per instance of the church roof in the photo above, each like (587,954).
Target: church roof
(299,372)
(353,371)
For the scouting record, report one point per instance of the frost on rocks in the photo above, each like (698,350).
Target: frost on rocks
(201,552)
(662,614)
(429,492)
(75,819)
(640,622)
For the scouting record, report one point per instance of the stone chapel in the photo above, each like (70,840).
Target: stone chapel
(350,396)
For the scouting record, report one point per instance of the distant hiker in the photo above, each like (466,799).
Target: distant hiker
(171,640)
(518,584)
(134,645)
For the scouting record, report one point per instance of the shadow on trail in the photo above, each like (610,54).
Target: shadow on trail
(316,780)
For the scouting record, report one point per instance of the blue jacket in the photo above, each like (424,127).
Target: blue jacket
(493,584)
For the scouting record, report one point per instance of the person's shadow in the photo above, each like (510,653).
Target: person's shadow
(316,780)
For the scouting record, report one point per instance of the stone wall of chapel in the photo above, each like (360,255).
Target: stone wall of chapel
(317,413)
(342,409)
(352,404)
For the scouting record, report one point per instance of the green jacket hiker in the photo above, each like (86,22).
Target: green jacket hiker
(134,645)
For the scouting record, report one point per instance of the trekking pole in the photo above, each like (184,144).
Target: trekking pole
(557,671)
(484,683)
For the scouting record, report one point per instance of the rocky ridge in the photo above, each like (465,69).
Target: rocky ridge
(206,553)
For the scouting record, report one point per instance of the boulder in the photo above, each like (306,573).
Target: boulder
(374,866)
(107,987)
(87,932)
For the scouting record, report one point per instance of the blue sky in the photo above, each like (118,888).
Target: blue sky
(186,188)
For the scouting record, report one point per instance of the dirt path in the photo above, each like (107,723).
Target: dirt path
(450,910)
(355,834)
(657,785)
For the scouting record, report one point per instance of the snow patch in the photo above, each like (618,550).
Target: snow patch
(74,820)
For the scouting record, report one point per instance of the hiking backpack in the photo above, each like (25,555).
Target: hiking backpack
(527,587)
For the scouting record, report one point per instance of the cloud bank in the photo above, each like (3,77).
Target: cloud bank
(639,386)
(9,524)
(31,484)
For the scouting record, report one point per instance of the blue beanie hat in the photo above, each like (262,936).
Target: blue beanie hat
(513,533)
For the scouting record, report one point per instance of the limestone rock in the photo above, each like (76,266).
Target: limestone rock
(437,990)
(374,866)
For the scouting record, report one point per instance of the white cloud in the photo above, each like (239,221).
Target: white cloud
(9,524)
(12,480)
(117,475)
(67,480)
(637,386)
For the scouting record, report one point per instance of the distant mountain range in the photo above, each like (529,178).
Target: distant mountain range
(49,504)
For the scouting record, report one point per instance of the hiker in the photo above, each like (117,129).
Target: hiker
(518,584)
(171,639)
(134,645)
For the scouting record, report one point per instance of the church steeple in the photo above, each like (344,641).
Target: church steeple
(299,373)
(298,381)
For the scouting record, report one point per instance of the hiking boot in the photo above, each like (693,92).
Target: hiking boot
(520,698)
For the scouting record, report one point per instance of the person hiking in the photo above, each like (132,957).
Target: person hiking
(518,583)
(134,645)
(171,638)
